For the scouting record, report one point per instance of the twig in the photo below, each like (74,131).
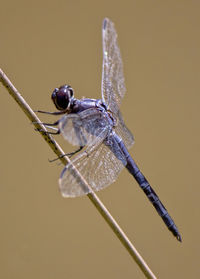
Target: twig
(92,196)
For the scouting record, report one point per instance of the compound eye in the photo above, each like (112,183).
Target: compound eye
(60,97)
(71,92)
(54,94)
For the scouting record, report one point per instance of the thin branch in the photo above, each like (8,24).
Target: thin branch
(92,196)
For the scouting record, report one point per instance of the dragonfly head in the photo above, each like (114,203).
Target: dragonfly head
(62,97)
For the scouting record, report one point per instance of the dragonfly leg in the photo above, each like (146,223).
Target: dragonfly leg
(52,113)
(74,152)
(47,132)
(47,124)
(67,154)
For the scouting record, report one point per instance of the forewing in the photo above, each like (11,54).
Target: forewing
(99,166)
(86,127)
(113,87)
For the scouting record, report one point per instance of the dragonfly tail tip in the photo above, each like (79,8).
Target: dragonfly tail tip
(179,237)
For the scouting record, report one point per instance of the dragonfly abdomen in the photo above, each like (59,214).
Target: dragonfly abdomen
(149,192)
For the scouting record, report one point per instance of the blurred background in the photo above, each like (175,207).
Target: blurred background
(44,44)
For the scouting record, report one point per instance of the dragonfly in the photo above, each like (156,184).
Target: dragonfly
(96,126)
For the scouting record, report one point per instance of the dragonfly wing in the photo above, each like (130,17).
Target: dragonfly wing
(113,86)
(99,164)
(123,131)
(86,127)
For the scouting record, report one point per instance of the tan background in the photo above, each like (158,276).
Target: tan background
(44,44)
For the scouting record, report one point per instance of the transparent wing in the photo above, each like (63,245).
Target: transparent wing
(123,131)
(99,164)
(113,87)
(85,128)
